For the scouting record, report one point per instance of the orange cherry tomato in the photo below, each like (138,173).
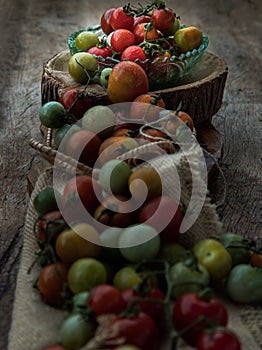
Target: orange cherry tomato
(141,107)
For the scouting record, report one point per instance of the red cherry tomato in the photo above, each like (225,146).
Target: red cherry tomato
(141,19)
(105,21)
(83,146)
(80,191)
(51,283)
(120,20)
(106,299)
(101,51)
(189,307)
(141,33)
(75,101)
(154,310)
(217,340)
(121,39)
(139,330)
(136,54)
(163,19)
(167,209)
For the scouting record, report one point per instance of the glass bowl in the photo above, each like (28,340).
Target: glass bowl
(162,73)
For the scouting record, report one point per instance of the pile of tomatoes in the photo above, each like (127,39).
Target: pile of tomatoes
(129,296)
(134,40)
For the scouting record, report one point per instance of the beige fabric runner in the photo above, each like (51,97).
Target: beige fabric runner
(35,324)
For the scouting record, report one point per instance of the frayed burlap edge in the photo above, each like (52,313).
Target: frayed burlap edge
(36,325)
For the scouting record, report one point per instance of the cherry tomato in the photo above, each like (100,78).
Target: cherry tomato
(105,21)
(106,299)
(45,201)
(51,283)
(76,331)
(141,19)
(145,183)
(85,40)
(82,66)
(52,114)
(85,274)
(114,147)
(214,257)
(80,191)
(83,146)
(114,175)
(139,330)
(126,278)
(145,31)
(120,20)
(115,211)
(50,226)
(81,241)
(134,53)
(139,242)
(189,307)
(163,19)
(101,51)
(147,106)
(256,260)
(171,215)
(218,339)
(152,135)
(62,134)
(154,310)
(175,120)
(188,39)
(121,39)
(76,101)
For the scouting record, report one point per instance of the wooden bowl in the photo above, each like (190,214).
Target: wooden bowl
(201,93)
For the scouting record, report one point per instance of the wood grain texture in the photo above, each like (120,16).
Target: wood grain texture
(32,31)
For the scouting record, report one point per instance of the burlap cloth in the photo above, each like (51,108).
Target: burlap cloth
(35,324)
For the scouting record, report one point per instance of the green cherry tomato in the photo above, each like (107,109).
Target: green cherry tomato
(100,120)
(139,242)
(45,201)
(234,245)
(114,176)
(85,40)
(82,66)
(52,114)
(244,284)
(126,278)
(76,331)
(214,257)
(109,241)
(79,302)
(188,279)
(86,273)
(63,133)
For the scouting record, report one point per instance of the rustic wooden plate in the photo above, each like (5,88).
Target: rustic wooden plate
(201,93)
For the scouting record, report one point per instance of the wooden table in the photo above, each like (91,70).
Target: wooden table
(33,31)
